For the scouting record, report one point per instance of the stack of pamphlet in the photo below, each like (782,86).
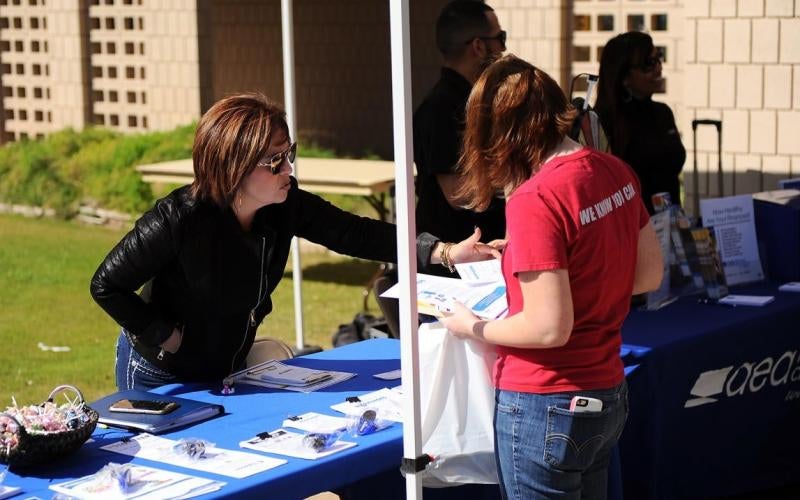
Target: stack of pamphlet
(277,375)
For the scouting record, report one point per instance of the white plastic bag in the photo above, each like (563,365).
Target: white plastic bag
(457,408)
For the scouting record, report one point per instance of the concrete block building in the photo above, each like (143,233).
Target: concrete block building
(139,65)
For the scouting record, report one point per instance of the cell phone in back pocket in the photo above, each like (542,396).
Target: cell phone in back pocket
(581,404)
(144,406)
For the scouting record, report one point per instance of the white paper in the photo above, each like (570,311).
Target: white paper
(275,372)
(436,294)
(316,422)
(484,271)
(283,442)
(147,483)
(746,300)
(8,491)
(390,375)
(792,286)
(241,377)
(230,463)
(387,403)
(735,232)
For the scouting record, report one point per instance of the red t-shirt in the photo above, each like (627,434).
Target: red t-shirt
(583,213)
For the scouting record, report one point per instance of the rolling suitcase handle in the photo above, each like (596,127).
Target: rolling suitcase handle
(718,125)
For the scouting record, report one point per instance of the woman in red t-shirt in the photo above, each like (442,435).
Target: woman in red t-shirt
(579,244)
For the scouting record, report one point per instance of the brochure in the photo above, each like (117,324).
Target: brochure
(253,376)
(144,483)
(709,261)
(283,442)
(436,295)
(278,373)
(747,300)
(733,221)
(231,463)
(188,412)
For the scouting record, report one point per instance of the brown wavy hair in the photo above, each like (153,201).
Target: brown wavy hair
(516,115)
(231,138)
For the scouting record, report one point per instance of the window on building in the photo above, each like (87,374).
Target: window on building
(141,48)
(111,48)
(141,72)
(9,136)
(97,48)
(130,72)
(19,46)
(581,53)
(113,120)
(23,136)
(110,23)
(34,21)
(113,96)
(23,115)
(37,69)
(47,90)
(35,46)
(6,68)
(17,2)
(635,22)
(112,71)
(129,47)
(141,23)
(583,22)
(46,46)
(5,46)
(132,121)
(94,23)
(97,72)
(21,92)
(20,69)
(127,2)
(32,2)
(38,116)
(46,70)
(17,23)
(9,114)
(144,122)
(38,93)
(8,91)
(3,2)
(132,97)
(663,50)
(109,2)
(3,22)
(97,95)
(98,119)
(128,23)
(49,113)
(605,22)
(144,97)
(658,22)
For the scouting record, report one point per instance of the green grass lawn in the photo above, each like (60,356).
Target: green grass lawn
(45,268)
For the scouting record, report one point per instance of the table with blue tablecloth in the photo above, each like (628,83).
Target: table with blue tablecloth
(714,397)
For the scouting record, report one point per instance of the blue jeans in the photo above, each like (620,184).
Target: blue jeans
(135,372)
(543,450)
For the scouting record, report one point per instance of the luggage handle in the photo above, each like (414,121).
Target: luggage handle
(718,125)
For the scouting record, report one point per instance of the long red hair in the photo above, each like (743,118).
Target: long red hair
(515,115)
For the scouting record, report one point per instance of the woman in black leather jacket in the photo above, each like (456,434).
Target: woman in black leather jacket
(210,254)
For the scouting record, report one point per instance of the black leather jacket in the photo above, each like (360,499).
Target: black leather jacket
(207,276)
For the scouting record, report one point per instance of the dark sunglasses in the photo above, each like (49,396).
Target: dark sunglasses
(651,62)
(500,37)
(275,163)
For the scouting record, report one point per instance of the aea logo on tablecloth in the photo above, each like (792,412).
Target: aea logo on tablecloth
(748,377)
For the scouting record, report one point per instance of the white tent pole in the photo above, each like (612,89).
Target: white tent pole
(287,32)
(406,230)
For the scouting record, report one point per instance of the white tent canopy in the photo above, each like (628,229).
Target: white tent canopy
(406,226)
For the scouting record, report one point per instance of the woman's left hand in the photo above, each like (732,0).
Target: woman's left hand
(472,250)
(461,322)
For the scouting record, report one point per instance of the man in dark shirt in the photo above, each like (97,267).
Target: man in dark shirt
(468,35)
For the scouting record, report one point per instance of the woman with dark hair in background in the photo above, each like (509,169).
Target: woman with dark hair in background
(579,244)
(640,131)
(211,254)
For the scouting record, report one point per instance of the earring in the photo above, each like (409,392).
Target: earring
(628,97)
(239,201)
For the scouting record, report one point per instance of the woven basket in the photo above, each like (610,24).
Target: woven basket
(35,449)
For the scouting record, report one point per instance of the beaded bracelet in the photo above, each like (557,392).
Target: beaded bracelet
(445,257)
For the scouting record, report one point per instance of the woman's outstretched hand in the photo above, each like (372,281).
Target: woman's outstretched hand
(472,250)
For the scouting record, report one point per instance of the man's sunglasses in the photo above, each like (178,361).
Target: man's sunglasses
(651,62)
(500,37)
(275,163)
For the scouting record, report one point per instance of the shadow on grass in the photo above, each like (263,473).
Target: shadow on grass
(351,272)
